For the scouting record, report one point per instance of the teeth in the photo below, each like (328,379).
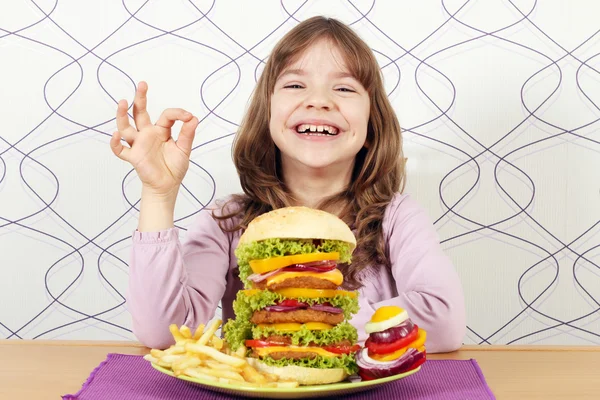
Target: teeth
(309,129)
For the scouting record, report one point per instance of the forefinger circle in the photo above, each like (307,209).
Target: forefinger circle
(169,116)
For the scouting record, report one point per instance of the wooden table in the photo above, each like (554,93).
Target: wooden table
(49,369)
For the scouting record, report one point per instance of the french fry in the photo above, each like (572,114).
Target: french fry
(216,342)
(196,374)
(171,358)
(252,375)
(176,334)
(240,352)
(163,364)
(210,331)
(204,355)
(156,353)
(179,349)
(221,373)
(182,364)
(270,377)
(217,365)
(225,348)
(215,354)
(198,333)
(151,358)
(185,332)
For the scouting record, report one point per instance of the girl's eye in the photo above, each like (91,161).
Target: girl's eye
(344,89)
(293,86)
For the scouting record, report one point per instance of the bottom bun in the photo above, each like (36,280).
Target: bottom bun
(303,375)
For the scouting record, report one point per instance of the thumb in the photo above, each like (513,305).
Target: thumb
(186,135)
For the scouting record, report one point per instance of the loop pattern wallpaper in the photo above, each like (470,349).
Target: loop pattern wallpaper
(498,101)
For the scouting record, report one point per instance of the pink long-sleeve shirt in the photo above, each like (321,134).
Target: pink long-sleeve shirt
(182,282)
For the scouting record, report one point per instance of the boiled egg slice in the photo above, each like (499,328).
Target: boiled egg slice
(386,317)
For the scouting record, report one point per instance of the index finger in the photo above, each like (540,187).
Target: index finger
(168,117)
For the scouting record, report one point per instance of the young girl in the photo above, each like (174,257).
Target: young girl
(319,132)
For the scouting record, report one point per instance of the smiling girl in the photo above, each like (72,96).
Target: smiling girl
(319,132)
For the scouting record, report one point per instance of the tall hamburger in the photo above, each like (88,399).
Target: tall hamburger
(292,315)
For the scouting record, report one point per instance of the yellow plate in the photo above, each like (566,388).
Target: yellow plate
(354,385)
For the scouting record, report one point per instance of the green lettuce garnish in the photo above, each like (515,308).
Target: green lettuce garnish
(304,337)
(345,361)
(244,305)
(269,248)
(237,331)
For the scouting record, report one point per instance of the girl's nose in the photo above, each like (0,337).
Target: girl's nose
(319,99)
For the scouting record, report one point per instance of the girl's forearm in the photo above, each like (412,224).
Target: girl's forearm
(156,211)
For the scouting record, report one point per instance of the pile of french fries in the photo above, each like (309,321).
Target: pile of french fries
(203,355)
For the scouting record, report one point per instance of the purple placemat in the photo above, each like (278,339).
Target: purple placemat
(130,377)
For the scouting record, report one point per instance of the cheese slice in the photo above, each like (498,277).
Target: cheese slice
(264,351)
(271,264)
(292,293)
(294,326)
(334,276)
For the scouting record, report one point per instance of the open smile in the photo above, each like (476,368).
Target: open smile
(317,130)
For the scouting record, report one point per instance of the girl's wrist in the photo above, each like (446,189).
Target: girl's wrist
(150,196)
(156,211)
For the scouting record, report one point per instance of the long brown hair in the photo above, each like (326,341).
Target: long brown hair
(379,167)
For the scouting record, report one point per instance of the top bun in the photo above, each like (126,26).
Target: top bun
(298,223)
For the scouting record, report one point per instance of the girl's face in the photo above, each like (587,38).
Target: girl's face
(319,112)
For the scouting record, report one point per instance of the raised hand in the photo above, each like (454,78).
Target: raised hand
(160,161)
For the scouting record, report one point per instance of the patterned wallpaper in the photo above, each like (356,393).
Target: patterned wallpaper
(498,100)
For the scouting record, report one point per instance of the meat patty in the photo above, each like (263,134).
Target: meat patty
(298,282)
(287,354)
(299,316)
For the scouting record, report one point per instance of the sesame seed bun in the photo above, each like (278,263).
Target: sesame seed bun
(298,223)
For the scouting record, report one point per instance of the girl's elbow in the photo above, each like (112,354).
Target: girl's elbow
(450,338)
(453,340)
(153,338)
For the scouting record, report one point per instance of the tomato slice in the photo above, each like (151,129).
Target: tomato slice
(342,349)
(292,303)
(386,348)
(271,264)
(256,343)
(416,344)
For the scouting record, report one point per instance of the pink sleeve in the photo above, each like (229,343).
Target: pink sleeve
(174,284)
(428,286)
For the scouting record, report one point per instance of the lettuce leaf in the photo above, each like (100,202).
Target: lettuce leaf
(237,331)
(345,361)
(275,247)
(244,305)
(304,337)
